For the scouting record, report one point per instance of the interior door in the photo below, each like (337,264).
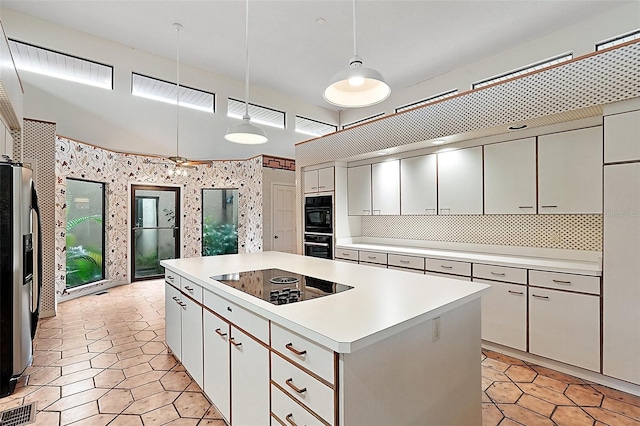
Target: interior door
(283,218)
(155,222)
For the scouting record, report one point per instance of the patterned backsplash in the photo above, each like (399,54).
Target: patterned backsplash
(572,232)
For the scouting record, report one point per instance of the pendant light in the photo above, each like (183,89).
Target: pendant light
(245,132)
(177,170)
(356,86)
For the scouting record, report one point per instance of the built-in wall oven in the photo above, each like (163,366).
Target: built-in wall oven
(318,226)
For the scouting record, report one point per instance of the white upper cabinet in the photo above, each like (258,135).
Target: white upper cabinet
(510,177)
(386,188)
(359,190)
(418,192)
(460,181)
(570,172)
(320,180)
(622,137)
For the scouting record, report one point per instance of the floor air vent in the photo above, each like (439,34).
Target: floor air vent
(22,415)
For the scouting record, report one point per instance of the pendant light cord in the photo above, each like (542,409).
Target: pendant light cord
(177,27)
(355,52)
(246,72)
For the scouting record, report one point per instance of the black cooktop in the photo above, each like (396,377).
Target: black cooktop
(280,287)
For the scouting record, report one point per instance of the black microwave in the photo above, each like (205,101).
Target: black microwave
(318,214)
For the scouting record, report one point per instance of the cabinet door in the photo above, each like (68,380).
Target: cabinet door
(173,320)
(325,179)
(570,172)
(418,194)
(460,181)
(622,137)
(510,177)
(192,338)
(359,190)
(386,187)
(310,181)
(217,369)
(565,326)
(250,376)
(504,314)
(621,269)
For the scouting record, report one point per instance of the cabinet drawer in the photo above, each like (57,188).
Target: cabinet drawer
(240,317)
(412,262)
(580,283)
(449,267)
(504,314)
(191,289)
(373,257)
(172,278)
(309,391)
(347,254)
(445,275)
(500,273)
(565,327)
(286,411)
(304,352)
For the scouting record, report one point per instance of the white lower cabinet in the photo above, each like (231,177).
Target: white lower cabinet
(249,380)
(173,320)
(217,368)
(192,338)
(565,326)
(504,314)
(286,411)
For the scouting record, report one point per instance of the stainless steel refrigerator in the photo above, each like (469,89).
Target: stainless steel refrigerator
(20,270)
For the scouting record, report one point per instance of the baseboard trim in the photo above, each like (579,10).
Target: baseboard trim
(47,314)
(89,289)
(581,373)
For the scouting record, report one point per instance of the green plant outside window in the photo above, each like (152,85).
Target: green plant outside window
(219,221)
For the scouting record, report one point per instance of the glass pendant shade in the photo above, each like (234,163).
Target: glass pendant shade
(246,133)
(357,87)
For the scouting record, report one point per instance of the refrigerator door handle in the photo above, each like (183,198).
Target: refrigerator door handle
(35,315)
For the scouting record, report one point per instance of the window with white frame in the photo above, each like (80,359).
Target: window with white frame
(427,100)
(634,35)
(312,127)
(362,121)
(259,114)
(523,71)
(165,91)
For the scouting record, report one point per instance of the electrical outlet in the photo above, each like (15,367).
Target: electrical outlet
(435,328)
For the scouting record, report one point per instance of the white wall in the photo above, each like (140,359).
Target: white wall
(579,39)
(119,121)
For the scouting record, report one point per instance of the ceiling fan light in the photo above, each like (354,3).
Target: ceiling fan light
(246,133)
(357,86)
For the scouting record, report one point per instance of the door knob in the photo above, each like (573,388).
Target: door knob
(275,237)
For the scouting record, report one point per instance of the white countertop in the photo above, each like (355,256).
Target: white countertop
(382,303)
(581,267)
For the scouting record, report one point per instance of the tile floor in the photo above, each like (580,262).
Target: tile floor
(102,361)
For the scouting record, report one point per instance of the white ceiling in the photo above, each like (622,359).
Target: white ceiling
(407,41)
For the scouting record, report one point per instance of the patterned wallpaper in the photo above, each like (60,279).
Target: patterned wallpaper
(557,231)
(118,171)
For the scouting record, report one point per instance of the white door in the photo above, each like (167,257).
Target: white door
(283,218)
(460,181)
(250,376)
(504,314)
(325,179)
(385,183)
(359,190)
(192,338)
(173,331)
(217,368)
(510,177)
(310,179)
(418,185)
(570,172)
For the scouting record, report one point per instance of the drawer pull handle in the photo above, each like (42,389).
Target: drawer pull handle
(289,382)
(188,288)
(234,343)
(184,305)
(498,274)
(170,277)
(372,257)
(322,186)
(540,297)
(549,207)
(446,267)
(346,254)
(561,282)
(220,333)
(289,419)
(516,292)
(525,207)
(294,350)
(404,261)
(175,298)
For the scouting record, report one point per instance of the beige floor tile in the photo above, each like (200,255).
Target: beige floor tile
(44,375)
(78,366)
(546,394)
(509,422)
(48,344)
(536,404)
(104,360)
(571,416)
(147,390)
(78,413)
(632,411)
(495,364)
(141,379)
(96,334)
(524,416)
(521,373)
(115,401)
(550,383)
(127,420)
(74,400)
(192,404)
(137,369)
(494,375)
(76,387)
(100,346)
(566,378)
(92,325)
(43,397)
(76,377)
(618,395)
(160,416)
(491,416)
(47,418)
(154,348)
(123,338)
(212,413)
(77,350)
(176,381)
(9,403)
(129,353)
(504,392)
(503,358)
(108,378)
(163,362)
(584,395)
(609,417)
(183,422)
(45,358)
(152,402)
(130,362)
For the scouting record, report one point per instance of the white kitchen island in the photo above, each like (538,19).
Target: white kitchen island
(396,349)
